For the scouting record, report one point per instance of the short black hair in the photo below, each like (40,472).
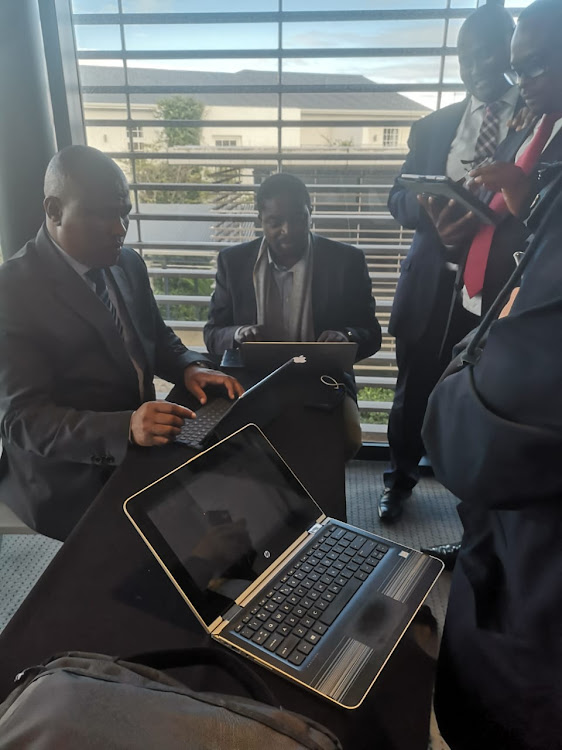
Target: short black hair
(491,19)
(79,165)
(282,183)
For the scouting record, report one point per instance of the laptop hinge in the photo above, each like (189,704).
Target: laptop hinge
(313,529)
(232,612)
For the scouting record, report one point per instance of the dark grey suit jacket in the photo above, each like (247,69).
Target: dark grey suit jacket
(341,295)
(67,385)
(494,436)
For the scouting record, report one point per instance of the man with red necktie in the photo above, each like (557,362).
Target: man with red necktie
(445,142)
(513,186)
(493,432)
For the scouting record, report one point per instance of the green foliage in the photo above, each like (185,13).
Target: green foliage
(370,393)
(178,285)
(148,170)
(180,107)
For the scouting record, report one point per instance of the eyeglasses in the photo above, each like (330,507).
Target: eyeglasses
(530,69)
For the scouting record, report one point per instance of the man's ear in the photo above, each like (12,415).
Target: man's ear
(53,209)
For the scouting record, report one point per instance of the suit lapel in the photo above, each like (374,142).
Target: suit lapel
(248,304)
(320,285)
(73,292)
(123,285)
(553,152)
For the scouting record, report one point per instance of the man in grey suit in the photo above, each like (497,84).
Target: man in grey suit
(81,339)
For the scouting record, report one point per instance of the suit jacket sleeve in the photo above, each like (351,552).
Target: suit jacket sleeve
(220,329)
(402,203)
(29,419)
(494,431)
(360,308)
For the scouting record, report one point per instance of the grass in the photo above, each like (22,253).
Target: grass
(374,394)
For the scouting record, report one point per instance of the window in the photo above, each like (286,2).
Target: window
(390,137)
(325,91)
(226,142)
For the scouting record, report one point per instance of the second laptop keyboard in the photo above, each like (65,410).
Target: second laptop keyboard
(299,607)
(194,431)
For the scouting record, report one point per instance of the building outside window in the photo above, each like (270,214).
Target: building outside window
(390,137)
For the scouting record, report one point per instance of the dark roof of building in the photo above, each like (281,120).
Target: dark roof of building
(97,75)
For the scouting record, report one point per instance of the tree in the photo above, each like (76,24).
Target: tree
(180,107)
(148,170)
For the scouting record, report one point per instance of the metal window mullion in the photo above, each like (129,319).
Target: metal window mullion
(289,88)
(242,188)
(442,62)
(129,130)
(247,123)
(280,94)
(253,156)
(296,52)
(306,16)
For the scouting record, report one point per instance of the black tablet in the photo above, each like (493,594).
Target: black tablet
(440,185)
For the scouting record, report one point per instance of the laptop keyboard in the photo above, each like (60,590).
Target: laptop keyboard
(194,431)
(302,603)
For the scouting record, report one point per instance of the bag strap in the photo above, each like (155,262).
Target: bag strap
(190,657)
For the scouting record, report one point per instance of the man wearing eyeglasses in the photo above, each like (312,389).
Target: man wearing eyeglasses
(423,321)
(493,431)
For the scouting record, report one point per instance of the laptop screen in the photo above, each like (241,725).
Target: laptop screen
(219,521)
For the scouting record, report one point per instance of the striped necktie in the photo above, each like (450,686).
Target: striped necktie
(97,275)
(487,140)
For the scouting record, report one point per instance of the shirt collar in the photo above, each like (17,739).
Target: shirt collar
(301,260)
(80,268)
(509,98)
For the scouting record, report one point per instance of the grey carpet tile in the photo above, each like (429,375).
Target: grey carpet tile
(23,558)
(429,518)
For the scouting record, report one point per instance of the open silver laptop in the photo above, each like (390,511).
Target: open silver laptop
(268,574)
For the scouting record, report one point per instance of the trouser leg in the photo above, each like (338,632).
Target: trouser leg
(419,368)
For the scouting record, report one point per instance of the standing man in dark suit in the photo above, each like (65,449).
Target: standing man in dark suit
(81,339)
(447,141)
(493,432)
(292,285)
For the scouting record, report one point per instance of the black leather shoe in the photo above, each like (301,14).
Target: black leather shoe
(447,553)
(391,502)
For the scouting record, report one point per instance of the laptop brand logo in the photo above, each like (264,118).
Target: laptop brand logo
(267,553)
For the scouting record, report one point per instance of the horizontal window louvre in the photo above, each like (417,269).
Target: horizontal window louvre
(200,107)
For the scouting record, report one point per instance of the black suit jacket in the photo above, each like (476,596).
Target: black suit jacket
(494,436)
(421,279)
(341,295)
(67,385)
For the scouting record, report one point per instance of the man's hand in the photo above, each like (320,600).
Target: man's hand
(158,422)
(452,229)
(195,379)
(523,119)
(250,333)
(332,336)
(507,177)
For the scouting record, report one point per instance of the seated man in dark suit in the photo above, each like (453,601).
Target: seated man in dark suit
(493,431)
(81,339)
(292,285)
